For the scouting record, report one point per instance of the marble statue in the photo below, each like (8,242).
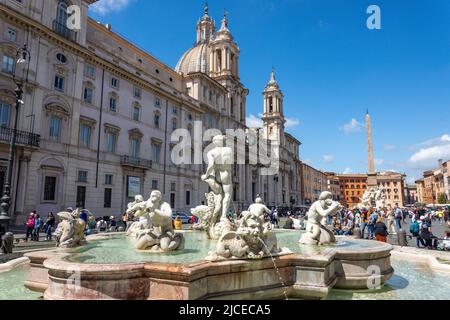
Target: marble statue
(219,178)
(137,209)
(381,199)
(70,231)
(160,236)
(7,243)
(374,197)
(253,238)
(316,231)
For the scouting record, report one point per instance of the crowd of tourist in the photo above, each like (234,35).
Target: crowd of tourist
(379,224)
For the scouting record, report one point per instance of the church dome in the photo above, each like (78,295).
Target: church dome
(195,59)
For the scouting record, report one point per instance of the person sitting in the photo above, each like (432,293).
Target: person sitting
(91,226)
(178,223)
(347,227)
(289,224)
(337,229)
(112,224)
(427,235)
(380,230)
(445,245)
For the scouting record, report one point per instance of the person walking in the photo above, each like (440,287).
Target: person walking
(398,216)
(30,226)
(49,225)
(364,221)
(371,226)
(37,227)
(390,220)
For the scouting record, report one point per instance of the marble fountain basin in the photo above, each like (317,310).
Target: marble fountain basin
(110,268)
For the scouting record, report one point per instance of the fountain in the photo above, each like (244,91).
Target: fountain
(220,259)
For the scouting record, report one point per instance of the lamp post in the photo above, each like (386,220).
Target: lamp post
(20,77)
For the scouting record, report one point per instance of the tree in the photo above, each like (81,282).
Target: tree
(442,198)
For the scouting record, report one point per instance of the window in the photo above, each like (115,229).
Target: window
(87,95)
(156,150)
(137,93)
(55,127)
(114,82)
(111,139)
(154,184)
(174,110)
(172,200)
(109,179)
(112,104)
(108,198)
(173,186)
(5,110)
(81,197)
(174,124)
(61,58)
(61,14)
(11,34)
(135,148)
(188,198)
(157,102)
(82,176)
(157,120)
(59,82)
(136,113)
(50,189)
(90,71)
(8,64)
(190,117)
(85,135)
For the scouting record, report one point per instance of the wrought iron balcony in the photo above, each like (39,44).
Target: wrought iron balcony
(136,162)
(22,137)
(62,30)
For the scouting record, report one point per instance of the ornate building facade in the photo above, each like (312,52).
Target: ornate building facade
(98,115)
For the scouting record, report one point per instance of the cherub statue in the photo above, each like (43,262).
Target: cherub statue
(161,236)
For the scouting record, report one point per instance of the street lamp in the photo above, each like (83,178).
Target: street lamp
(20,77)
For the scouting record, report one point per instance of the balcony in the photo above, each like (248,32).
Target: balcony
(62,30)
(136,162)
(22,137)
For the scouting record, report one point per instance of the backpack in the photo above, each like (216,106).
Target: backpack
(415,228)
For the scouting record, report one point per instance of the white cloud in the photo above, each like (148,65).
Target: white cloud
(389,147)
(328,158)
(427,157)
(353,126)
(104,7)
(379,162)
(291,122)
(348,171)
(254,122)
(429,152)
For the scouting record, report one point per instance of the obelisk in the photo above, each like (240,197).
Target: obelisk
(372,176)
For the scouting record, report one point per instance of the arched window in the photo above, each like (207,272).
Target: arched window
(61,14)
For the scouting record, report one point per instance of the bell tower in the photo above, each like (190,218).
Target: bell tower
(273,116)
(205,27)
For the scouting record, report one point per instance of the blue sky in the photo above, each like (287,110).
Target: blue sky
(331,67)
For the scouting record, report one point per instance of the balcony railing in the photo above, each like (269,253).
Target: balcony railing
(62,30)
(22,137)
(136,162)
